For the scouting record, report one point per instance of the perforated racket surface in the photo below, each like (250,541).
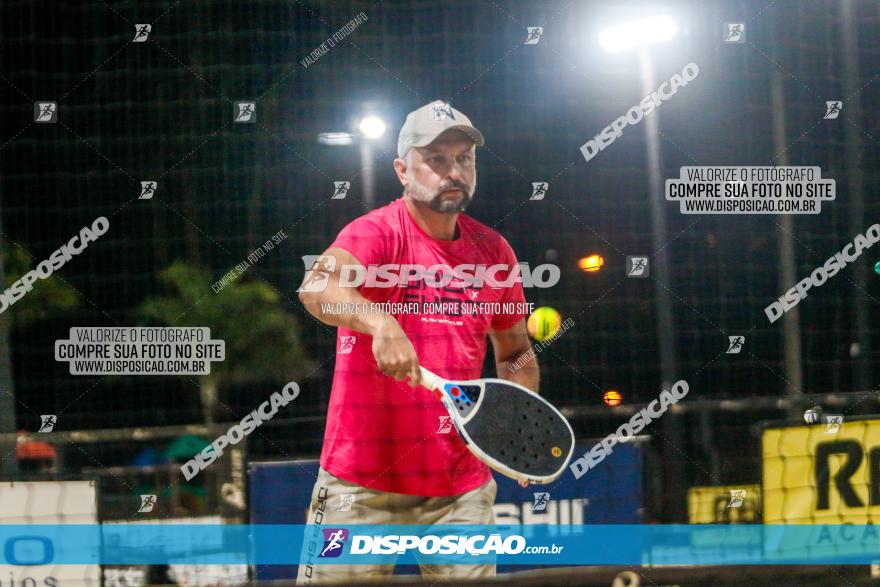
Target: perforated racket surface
(511,429)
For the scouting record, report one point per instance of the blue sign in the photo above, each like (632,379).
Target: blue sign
(611,493)
(605,544)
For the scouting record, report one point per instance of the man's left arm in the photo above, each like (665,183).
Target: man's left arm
(514,358)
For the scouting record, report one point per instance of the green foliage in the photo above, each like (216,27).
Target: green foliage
(49,297)
(262,338)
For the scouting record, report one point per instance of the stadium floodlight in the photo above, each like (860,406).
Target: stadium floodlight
(636,33)
(336,139)
(372,127)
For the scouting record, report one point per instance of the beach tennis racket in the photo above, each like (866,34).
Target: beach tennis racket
(510,428)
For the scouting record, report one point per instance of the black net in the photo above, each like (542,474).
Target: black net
(163,110)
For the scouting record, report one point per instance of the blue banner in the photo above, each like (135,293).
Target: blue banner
(611,494)
(609,544)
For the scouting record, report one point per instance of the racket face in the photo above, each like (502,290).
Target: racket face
(520,431)
(462,398)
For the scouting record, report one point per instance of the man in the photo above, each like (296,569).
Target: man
(389,456)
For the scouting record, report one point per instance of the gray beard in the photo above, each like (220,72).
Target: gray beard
(438,204)
(435,201)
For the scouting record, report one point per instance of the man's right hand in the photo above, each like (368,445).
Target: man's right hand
(394,352)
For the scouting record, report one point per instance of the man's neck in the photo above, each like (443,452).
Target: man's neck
(437,224)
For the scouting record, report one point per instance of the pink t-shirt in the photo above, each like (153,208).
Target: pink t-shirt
(384,434)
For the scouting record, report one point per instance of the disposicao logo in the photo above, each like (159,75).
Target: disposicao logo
(334,540)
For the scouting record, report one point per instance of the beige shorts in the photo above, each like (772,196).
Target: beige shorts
(336,503)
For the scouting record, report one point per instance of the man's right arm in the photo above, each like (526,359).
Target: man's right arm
(338,305)
(339,301)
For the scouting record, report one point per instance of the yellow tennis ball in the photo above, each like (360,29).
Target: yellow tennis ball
(544,323)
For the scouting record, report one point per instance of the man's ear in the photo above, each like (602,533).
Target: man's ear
(400,170)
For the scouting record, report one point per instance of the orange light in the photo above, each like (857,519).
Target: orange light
(592,263)
(612,398)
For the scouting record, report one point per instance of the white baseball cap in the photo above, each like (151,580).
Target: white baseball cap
(427,123)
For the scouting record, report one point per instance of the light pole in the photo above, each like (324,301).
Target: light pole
(371,128)
(635,36)
(656,200)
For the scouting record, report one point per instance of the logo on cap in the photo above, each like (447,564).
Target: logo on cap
(442,111)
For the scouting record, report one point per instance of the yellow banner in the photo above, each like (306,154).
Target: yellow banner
(826,473)
(724,504)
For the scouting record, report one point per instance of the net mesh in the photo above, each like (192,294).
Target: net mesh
(162,110)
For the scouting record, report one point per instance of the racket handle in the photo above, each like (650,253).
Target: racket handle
(430,380)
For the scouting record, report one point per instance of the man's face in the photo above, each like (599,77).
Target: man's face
(443,175)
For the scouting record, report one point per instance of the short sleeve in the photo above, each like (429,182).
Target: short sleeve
(513,295)
(370,240)
(367,239)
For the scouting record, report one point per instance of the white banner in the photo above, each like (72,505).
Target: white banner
(46,502)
